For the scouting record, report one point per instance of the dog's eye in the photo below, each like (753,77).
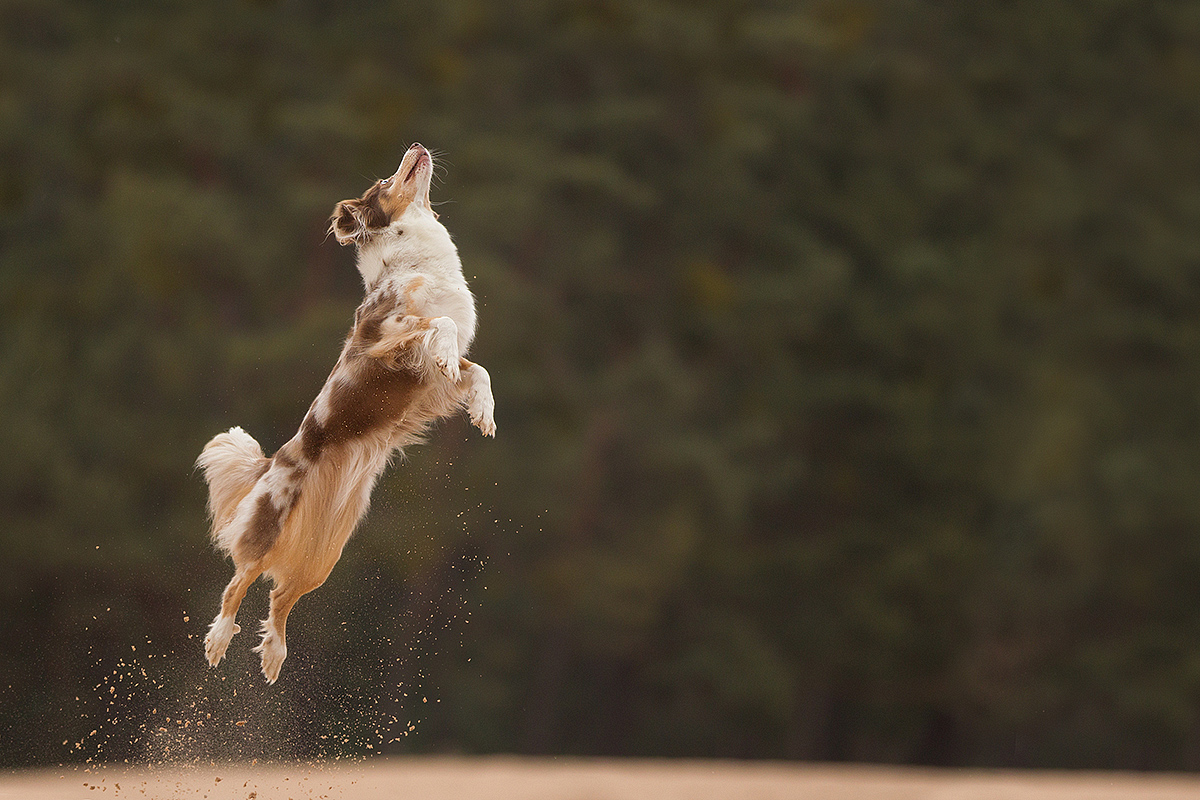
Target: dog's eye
(384,182)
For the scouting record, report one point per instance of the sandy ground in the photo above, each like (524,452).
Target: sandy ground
(568,779)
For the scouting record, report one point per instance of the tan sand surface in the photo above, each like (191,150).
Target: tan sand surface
(451,778)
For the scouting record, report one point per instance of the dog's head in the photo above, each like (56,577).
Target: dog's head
(388,201)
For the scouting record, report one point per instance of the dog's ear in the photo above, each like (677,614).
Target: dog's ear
(353,220)
(347,224)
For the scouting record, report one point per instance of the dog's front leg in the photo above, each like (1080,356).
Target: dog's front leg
(476,386)
(441,342)
(437,338)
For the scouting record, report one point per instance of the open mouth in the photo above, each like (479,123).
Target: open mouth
(413,170)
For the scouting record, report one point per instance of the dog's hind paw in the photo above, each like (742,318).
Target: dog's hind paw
(217,640)
(273,651)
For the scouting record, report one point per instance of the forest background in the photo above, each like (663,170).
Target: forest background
(845,359)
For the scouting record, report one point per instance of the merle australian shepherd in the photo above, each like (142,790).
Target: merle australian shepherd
(402,367)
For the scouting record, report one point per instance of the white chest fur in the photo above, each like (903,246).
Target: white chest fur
(416,259)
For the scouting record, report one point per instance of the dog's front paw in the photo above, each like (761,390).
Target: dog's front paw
(482,408)
(477,391)
(217,640)
(448,367)
(443,347)
(486,425)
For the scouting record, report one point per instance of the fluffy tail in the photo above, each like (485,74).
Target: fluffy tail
(232,463)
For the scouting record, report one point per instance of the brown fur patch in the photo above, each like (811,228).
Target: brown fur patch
(375,400)
(285,459)
(370,392)
(312,438)
(263,530)
(371,207)
(412,287)
(272,508)
(369,317)
(393,203)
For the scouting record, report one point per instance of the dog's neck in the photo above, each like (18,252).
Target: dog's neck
(372,262)
(415,243)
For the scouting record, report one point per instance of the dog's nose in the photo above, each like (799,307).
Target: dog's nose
(415,145)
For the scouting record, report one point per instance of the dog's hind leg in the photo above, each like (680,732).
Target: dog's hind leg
(223,627)
(273,647)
